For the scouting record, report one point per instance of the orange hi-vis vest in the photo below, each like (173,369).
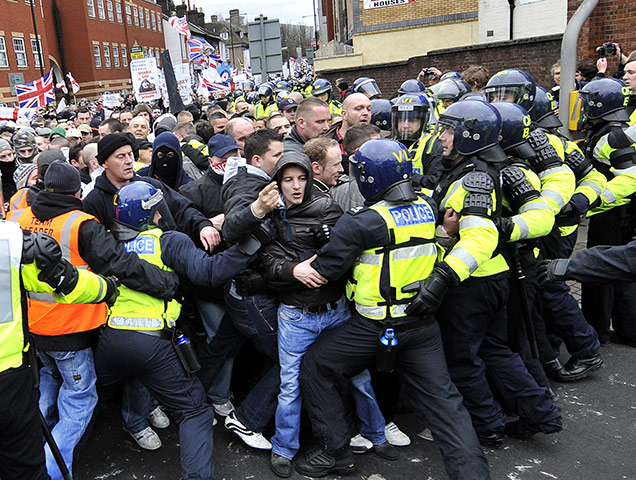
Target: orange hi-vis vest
(19,199)
(46,316)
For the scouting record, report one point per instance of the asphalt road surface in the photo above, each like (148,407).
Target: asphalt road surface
(598,441)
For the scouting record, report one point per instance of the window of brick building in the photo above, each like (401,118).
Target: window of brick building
(154,21)
(118,11)
(116,56)
(128,15)
(98,56)
(124,56)
(100,9)
(91,8)
(147,19)
(136,15)
(141,18)
(4,59)
(109,8)
(159,19)
(34,47)
(107,56)
(20,52)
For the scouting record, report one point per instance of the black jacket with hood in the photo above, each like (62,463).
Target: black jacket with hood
(166,139)
(296,240)
(241,185)
(105,256)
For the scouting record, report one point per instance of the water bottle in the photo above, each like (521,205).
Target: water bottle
(387,350)
(186,353)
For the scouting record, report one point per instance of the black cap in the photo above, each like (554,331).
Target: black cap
(110,143)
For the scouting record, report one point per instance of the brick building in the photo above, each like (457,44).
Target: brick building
(389,30)
(18,61)
(612,20)
(89,38)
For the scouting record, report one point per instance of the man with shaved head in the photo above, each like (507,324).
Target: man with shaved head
(356,109)
(239,128)
(312,121)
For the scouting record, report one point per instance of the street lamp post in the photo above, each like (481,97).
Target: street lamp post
(315,25)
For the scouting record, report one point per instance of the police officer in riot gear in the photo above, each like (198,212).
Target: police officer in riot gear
(323,90)
(512,85)
(266,104)
(561,312)
(526,216)
(367,86)
(137,339)
(472,315)
(390,245)
(409,120)
(546,158)
(613,152)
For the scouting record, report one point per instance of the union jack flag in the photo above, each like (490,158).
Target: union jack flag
(214,87)
(195,48)
(180,24)
(37,93)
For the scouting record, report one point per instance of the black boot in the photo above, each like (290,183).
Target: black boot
(577,368)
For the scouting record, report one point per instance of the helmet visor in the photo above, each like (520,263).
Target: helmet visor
(512,94)
(407,122)
(162,217)
(370,89)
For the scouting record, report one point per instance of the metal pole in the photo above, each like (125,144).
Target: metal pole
(315,26)
(264,70)
(569,46)
(37,39)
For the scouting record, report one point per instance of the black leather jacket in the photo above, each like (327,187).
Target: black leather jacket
(296,241)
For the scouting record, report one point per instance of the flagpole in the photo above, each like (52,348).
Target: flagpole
(37,39)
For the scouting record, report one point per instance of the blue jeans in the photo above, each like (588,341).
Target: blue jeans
(297,331)
(68,397)
(211,316)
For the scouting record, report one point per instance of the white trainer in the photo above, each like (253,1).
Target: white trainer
(158,418)
(223,409)
(359,444)
(395,436)
(251,438)
(147,439)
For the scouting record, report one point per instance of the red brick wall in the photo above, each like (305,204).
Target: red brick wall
(536,56)
(612,20)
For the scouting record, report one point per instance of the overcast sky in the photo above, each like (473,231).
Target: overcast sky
(288,11)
